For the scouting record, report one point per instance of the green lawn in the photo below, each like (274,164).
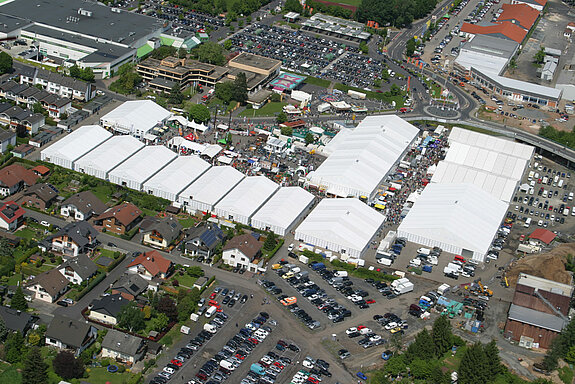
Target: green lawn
(27,233)
(566,374)
(102,376)
(103,192)
(315,81)
(185,280)
(149,212)
(270,109)
(9,374)
(14,280)
(188,222)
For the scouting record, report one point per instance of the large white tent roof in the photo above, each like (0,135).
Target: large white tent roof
(359,163)
(137,114)
(214,184)
(284,207)
(496,144)
(462,216)
(177,175)
(499,187)
(111,153)
(247,196)
(346,222)
(144,163)
(77,143)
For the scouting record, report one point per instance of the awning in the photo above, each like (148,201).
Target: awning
(225,160)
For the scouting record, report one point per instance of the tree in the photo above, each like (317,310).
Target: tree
(309,138)
(395,90)
(199,113)
(271,241)
(18,301)
(160,322)
(176,96)
(228,44)
(67,366)
(88,75)
(128,80)
(281,118)
(286,131)
(225,91)
(275,97)
(293,6)
(75,71)
(195,271)
(493,361)
(396,365)
(539,56)
(3,330)
(14,347)
(5,63)
(182,53)
(240,91)
(421,348)
(131,318)
(167,306)
(441,334)
(209,52)
(363,48)
(162,52)
(35,369)
(37,108)
(410,47)
(421,369)
(473,366)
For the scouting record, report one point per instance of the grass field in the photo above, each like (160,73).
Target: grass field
(355,3)
(187,222)
(9,374)
(102,376)
(315,81)
(270,109)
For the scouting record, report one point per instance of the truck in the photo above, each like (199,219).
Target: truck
(257,369)
(323,107)
(210,328)
(317,266)
(404,287)
(443,288)
(210,312)
(340,273)
(356,95)
(456,267)
(450,271)
(526,248)
(384,258)
(387,241)
(303,259)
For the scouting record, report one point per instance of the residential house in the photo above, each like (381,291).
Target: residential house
(64,86)
(542,236)
(243,251)
(67,333)
(203,239)
(39,196)
(7,138)
(22,150)
(11,216)
(17,321)
(14,177)
(151,265)
(82,206)
(31,95)
(130,286)
(105,309)
(539,311)
(48,286)
(78,269)
(15,117)
(123,347)
(73,239)
(160,233)
(119,219)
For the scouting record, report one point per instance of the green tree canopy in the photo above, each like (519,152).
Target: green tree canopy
(225,91)
(473,367)
(281,117)
(35,369)
(167,306)
(14,347)
(410,47)
(5,63)
(163,52)
(422,348)
(539,56)
(309,138)
(3,330)
(131,318)
(441,334)
(286,131)
(67,366)
(160,322)
(18,301)
(271,241)
(210,52)
(293,6)
(176,96)
(240,92)
(195,271)
(199,113)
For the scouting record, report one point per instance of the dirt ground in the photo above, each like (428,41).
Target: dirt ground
(549,265)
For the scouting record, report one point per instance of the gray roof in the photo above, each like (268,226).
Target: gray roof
(21,68)
(125,27)
(122,342)
(6,135)
(82,265)
(110,305)
(52,281)
(536,318)
(79,232)
(86,202)
(16,320)
(57,78)
(132,284)
(45,192)
(169,228)
(209,235)
(492,46)
(69,331)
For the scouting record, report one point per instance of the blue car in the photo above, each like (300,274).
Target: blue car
(387,355)
(361,376)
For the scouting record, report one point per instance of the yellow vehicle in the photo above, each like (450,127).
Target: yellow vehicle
(485,290)
(276,266)
(396,330)
(288,275)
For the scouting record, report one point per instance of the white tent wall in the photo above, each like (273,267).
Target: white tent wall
(497,144)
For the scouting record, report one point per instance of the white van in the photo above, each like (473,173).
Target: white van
(227,365)
(424,251)
(527,222)
(210,312)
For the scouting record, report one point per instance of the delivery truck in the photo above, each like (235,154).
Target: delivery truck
(340,273)
(404,287)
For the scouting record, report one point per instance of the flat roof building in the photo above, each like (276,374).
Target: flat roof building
(135,117)
(334,26)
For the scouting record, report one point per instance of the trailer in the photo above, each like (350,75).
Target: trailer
(356,95)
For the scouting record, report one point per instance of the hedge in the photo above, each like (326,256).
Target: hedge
(210,281)
(95,281)
(115,263)
(271,253)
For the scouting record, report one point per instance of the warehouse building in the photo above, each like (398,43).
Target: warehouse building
(136,118)
(100,161)
(283,210)
(137,169)
(245,199)
(67,150)
(204,193)
(363,157)
(459,218)
(175,177)
(344,226)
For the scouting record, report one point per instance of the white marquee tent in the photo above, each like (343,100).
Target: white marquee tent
(209,188)
(67,150)
(346,226)
(135,117)
(282,211)
(459,218)
(100,161)
(175,177)
(246,198)
(480,140)
(133,172)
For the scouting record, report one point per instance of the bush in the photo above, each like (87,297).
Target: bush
(121,369)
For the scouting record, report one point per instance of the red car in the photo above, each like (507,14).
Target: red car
(201,376)
(360,327)
(213,295)
(177,362)
(279,365)
(253,340)
(370,301)
(312,380)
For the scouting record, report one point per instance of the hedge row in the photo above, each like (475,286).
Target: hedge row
(95,281)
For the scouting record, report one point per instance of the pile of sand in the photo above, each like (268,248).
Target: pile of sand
(549,265)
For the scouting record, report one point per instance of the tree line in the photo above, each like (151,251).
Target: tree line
(397,13)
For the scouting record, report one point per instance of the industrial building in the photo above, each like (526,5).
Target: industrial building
(361,158)
(101,160)
(70,148)
(345,226)
(245,199)
(175,177)
(204,193)
(336,27)
(283,210)
(137,169)
(135,117)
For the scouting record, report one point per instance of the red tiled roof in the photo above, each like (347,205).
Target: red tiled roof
(571,25)
(506,28)
(10,212)
(125,213)
(15,173)
(523,14)
(541,2)
(41,170)
(295,123)
(543,235)
(153,262)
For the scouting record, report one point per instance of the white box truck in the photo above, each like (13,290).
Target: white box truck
(405,287)
(443,288)
(210,312)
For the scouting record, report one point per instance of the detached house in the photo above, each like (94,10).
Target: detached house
(40,196)
(66,333)
(160,233)
(105,309)
(243,251)
(130,286)
(78,269)
(119,219)
(82,206)
(203,239)
(14,177)
(17,321)
(73,239)
(48,286)
(11,216)
(123,347)
(151,265)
